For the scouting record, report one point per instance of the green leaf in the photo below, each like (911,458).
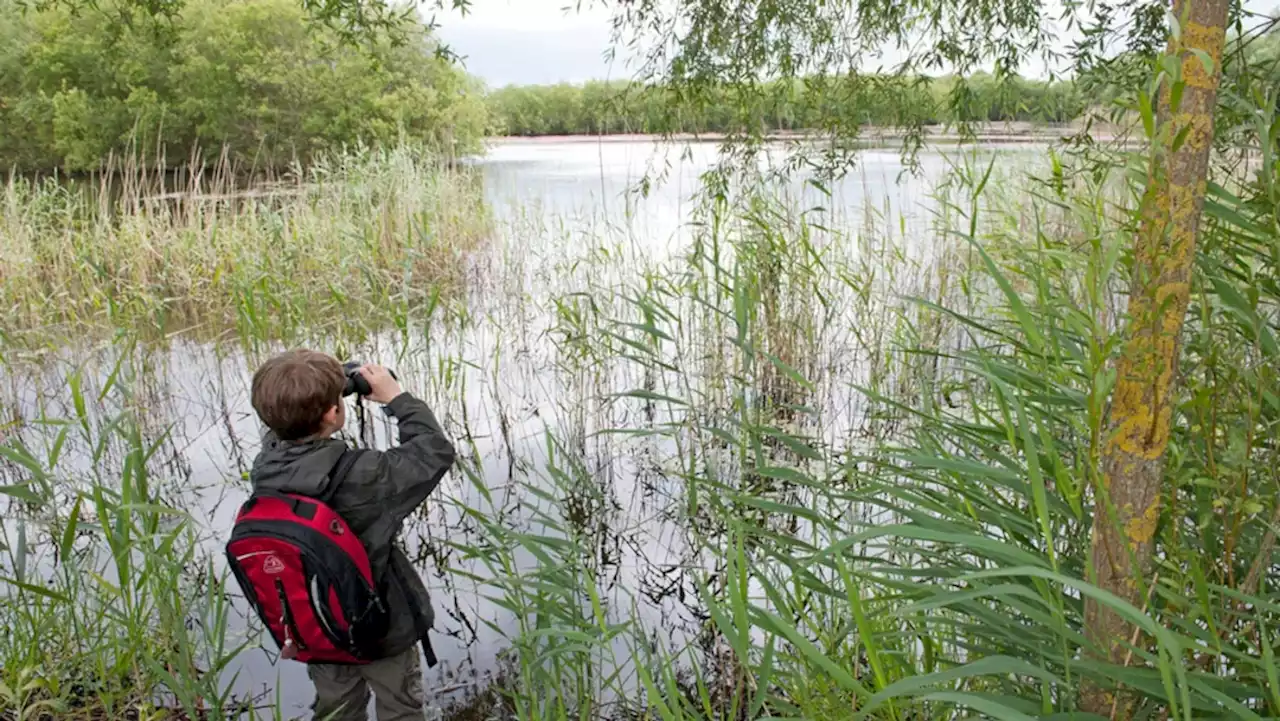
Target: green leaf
(1148,116)
(1269,663)
(18,454)
(1181,137)
(1205,61)
(1000,666)
(1234,300)
(993,548)
(1173,674)
(69,532)
(1039,494)
(781,509)
(649,329)
(1028,324)
(714,607)
(986,706)
(785,474)
(866,634)
(649,396)
(21,492)
(55,453)
(1221,204)
(774,624)
(961,467)
(37,590)
(790,372)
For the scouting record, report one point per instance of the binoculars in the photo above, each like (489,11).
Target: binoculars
(356,382)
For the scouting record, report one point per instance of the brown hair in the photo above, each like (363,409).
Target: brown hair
(293,391)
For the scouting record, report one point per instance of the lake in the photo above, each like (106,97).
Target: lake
(505,371)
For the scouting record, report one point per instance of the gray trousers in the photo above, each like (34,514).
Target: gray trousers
(342,692)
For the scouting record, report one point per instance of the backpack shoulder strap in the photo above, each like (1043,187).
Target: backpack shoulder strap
(338,473)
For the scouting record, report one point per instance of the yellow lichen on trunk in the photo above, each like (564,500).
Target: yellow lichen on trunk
(1127,508)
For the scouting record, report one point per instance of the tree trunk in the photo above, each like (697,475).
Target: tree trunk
(1127,505)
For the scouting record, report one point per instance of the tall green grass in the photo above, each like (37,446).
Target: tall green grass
(369,233)
(879,450)
(110,609)
(885,465)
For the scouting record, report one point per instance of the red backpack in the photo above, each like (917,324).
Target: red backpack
(308,577)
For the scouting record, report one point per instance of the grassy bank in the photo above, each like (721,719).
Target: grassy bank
(367,234)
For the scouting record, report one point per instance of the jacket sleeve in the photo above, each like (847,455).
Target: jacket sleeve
(408,473)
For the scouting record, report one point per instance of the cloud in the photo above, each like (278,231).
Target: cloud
(532,42)
(552,41)
(504,56)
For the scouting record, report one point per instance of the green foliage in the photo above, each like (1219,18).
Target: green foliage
(250,77)
(704,48)
(599,108)
(353,20)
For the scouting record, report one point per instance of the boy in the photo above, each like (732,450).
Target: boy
(298,396)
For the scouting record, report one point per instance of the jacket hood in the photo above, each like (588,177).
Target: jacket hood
(300,467)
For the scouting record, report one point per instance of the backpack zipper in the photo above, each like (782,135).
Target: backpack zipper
(286,619)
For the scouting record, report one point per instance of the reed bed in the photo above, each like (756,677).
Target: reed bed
(806,469)
(204,251)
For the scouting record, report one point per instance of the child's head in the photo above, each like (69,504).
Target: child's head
(298,394)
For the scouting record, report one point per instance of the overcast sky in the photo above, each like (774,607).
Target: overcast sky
(531,42)
(540,42)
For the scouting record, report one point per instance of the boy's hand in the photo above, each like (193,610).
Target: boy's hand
(385,388)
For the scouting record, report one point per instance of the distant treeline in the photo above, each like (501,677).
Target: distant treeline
(599,108)
(253,77)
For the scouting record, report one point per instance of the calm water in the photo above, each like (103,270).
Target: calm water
(591,186)
(569,222)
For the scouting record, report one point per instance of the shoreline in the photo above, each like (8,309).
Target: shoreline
(1011,133)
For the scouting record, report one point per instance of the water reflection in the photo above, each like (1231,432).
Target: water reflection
(592,186)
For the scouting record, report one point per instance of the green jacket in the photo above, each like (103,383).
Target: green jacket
(377,494)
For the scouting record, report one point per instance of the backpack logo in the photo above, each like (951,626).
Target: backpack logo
(273,565)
